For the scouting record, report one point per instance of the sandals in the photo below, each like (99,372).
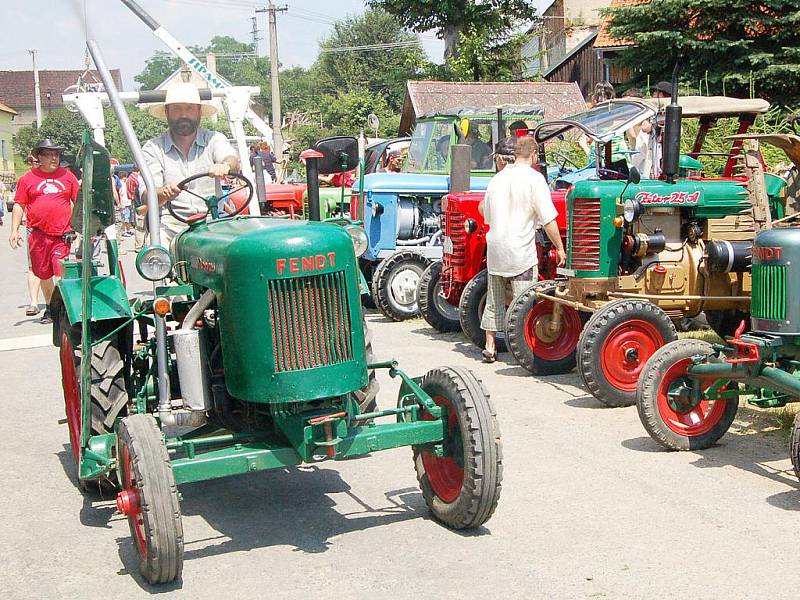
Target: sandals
(489,357)
(32,310)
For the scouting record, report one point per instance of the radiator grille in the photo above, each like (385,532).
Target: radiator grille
(584,235)
(454,229)
(310,321)
(769,292)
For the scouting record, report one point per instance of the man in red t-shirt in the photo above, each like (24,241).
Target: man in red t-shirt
(47,193)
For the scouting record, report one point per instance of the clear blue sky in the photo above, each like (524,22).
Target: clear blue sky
(126,42)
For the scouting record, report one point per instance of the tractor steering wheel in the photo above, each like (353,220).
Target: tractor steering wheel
(233,175)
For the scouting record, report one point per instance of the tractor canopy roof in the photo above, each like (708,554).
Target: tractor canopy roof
(716,107)
(600,123)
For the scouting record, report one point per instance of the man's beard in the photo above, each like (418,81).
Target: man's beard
(183,127)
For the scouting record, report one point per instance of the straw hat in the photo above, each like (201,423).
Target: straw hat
(182,93)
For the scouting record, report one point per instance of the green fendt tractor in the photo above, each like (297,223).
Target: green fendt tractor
(644,254)
(251,355)
(689,390)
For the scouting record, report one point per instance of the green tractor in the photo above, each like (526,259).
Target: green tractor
(252,354)
(643,254)
(690,390)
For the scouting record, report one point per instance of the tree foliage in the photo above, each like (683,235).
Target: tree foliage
(452,17)
(383,71)
(482,57)
(734,46)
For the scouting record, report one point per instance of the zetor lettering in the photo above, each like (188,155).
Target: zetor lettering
(304,264)
(767,253)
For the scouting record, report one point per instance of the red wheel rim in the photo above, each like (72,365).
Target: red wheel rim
(692,423)
(72,395)
(625,351)
(563,342)
(446,473)
(128,501)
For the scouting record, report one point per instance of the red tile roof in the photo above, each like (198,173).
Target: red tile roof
(604,38)
(16,87)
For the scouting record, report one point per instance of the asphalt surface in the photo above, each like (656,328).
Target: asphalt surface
(590,506)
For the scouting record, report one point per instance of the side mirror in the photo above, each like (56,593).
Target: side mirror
(634,176)
(338,154)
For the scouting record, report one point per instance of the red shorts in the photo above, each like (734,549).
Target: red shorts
(46,252)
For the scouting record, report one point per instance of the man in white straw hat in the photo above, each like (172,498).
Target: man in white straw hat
(186,149)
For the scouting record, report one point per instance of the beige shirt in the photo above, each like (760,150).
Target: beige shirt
(517,201)
(168,165)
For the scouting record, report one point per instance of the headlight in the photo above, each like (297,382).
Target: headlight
(632,210)
(154,263)
(359,238)
(377,210)
(470,225)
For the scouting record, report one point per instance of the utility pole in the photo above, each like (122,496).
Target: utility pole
(36,94)
(277,138)
(254,32)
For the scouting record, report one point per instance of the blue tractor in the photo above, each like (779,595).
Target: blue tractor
(402,212)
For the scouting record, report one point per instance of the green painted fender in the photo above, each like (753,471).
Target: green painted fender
(109,299)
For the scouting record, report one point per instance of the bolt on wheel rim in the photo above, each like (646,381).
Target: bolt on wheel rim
(625,351)
(404,287)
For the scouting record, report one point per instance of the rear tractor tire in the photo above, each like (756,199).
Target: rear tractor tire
(530,337)
(149,499)
(470,312)
(434,308)
(616,343)
(394,285)
(461,487)
(670,417)
(108,397)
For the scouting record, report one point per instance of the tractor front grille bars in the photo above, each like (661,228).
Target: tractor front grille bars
(584,234)
(769,292)
(310,319)
(454,229)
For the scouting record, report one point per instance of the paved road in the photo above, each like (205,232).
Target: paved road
(590,507)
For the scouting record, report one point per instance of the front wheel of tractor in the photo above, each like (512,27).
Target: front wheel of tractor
(794,449)
(461,483)
(616,343)
(433,306)
(149,498)
(470,312)
(665,402)
(394,285)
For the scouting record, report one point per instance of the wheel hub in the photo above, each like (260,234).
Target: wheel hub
(548,329)
(128,502)
(404,286)
(682,397)
(631,355)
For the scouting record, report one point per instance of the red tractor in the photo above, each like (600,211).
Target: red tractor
(452,292)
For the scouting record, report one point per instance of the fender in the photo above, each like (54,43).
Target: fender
(109,301)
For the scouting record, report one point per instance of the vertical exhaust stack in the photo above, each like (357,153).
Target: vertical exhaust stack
(312,180)
(672,132)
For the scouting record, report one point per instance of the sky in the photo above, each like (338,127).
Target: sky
(126,42)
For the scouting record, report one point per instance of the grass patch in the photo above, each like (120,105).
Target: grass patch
(706,335)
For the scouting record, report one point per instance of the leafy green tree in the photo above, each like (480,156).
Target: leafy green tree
(732,46)
(482,57)
(157,68)
(63,127)
(452,17)
(383,71)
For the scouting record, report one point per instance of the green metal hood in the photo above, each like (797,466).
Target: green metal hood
(289,305)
